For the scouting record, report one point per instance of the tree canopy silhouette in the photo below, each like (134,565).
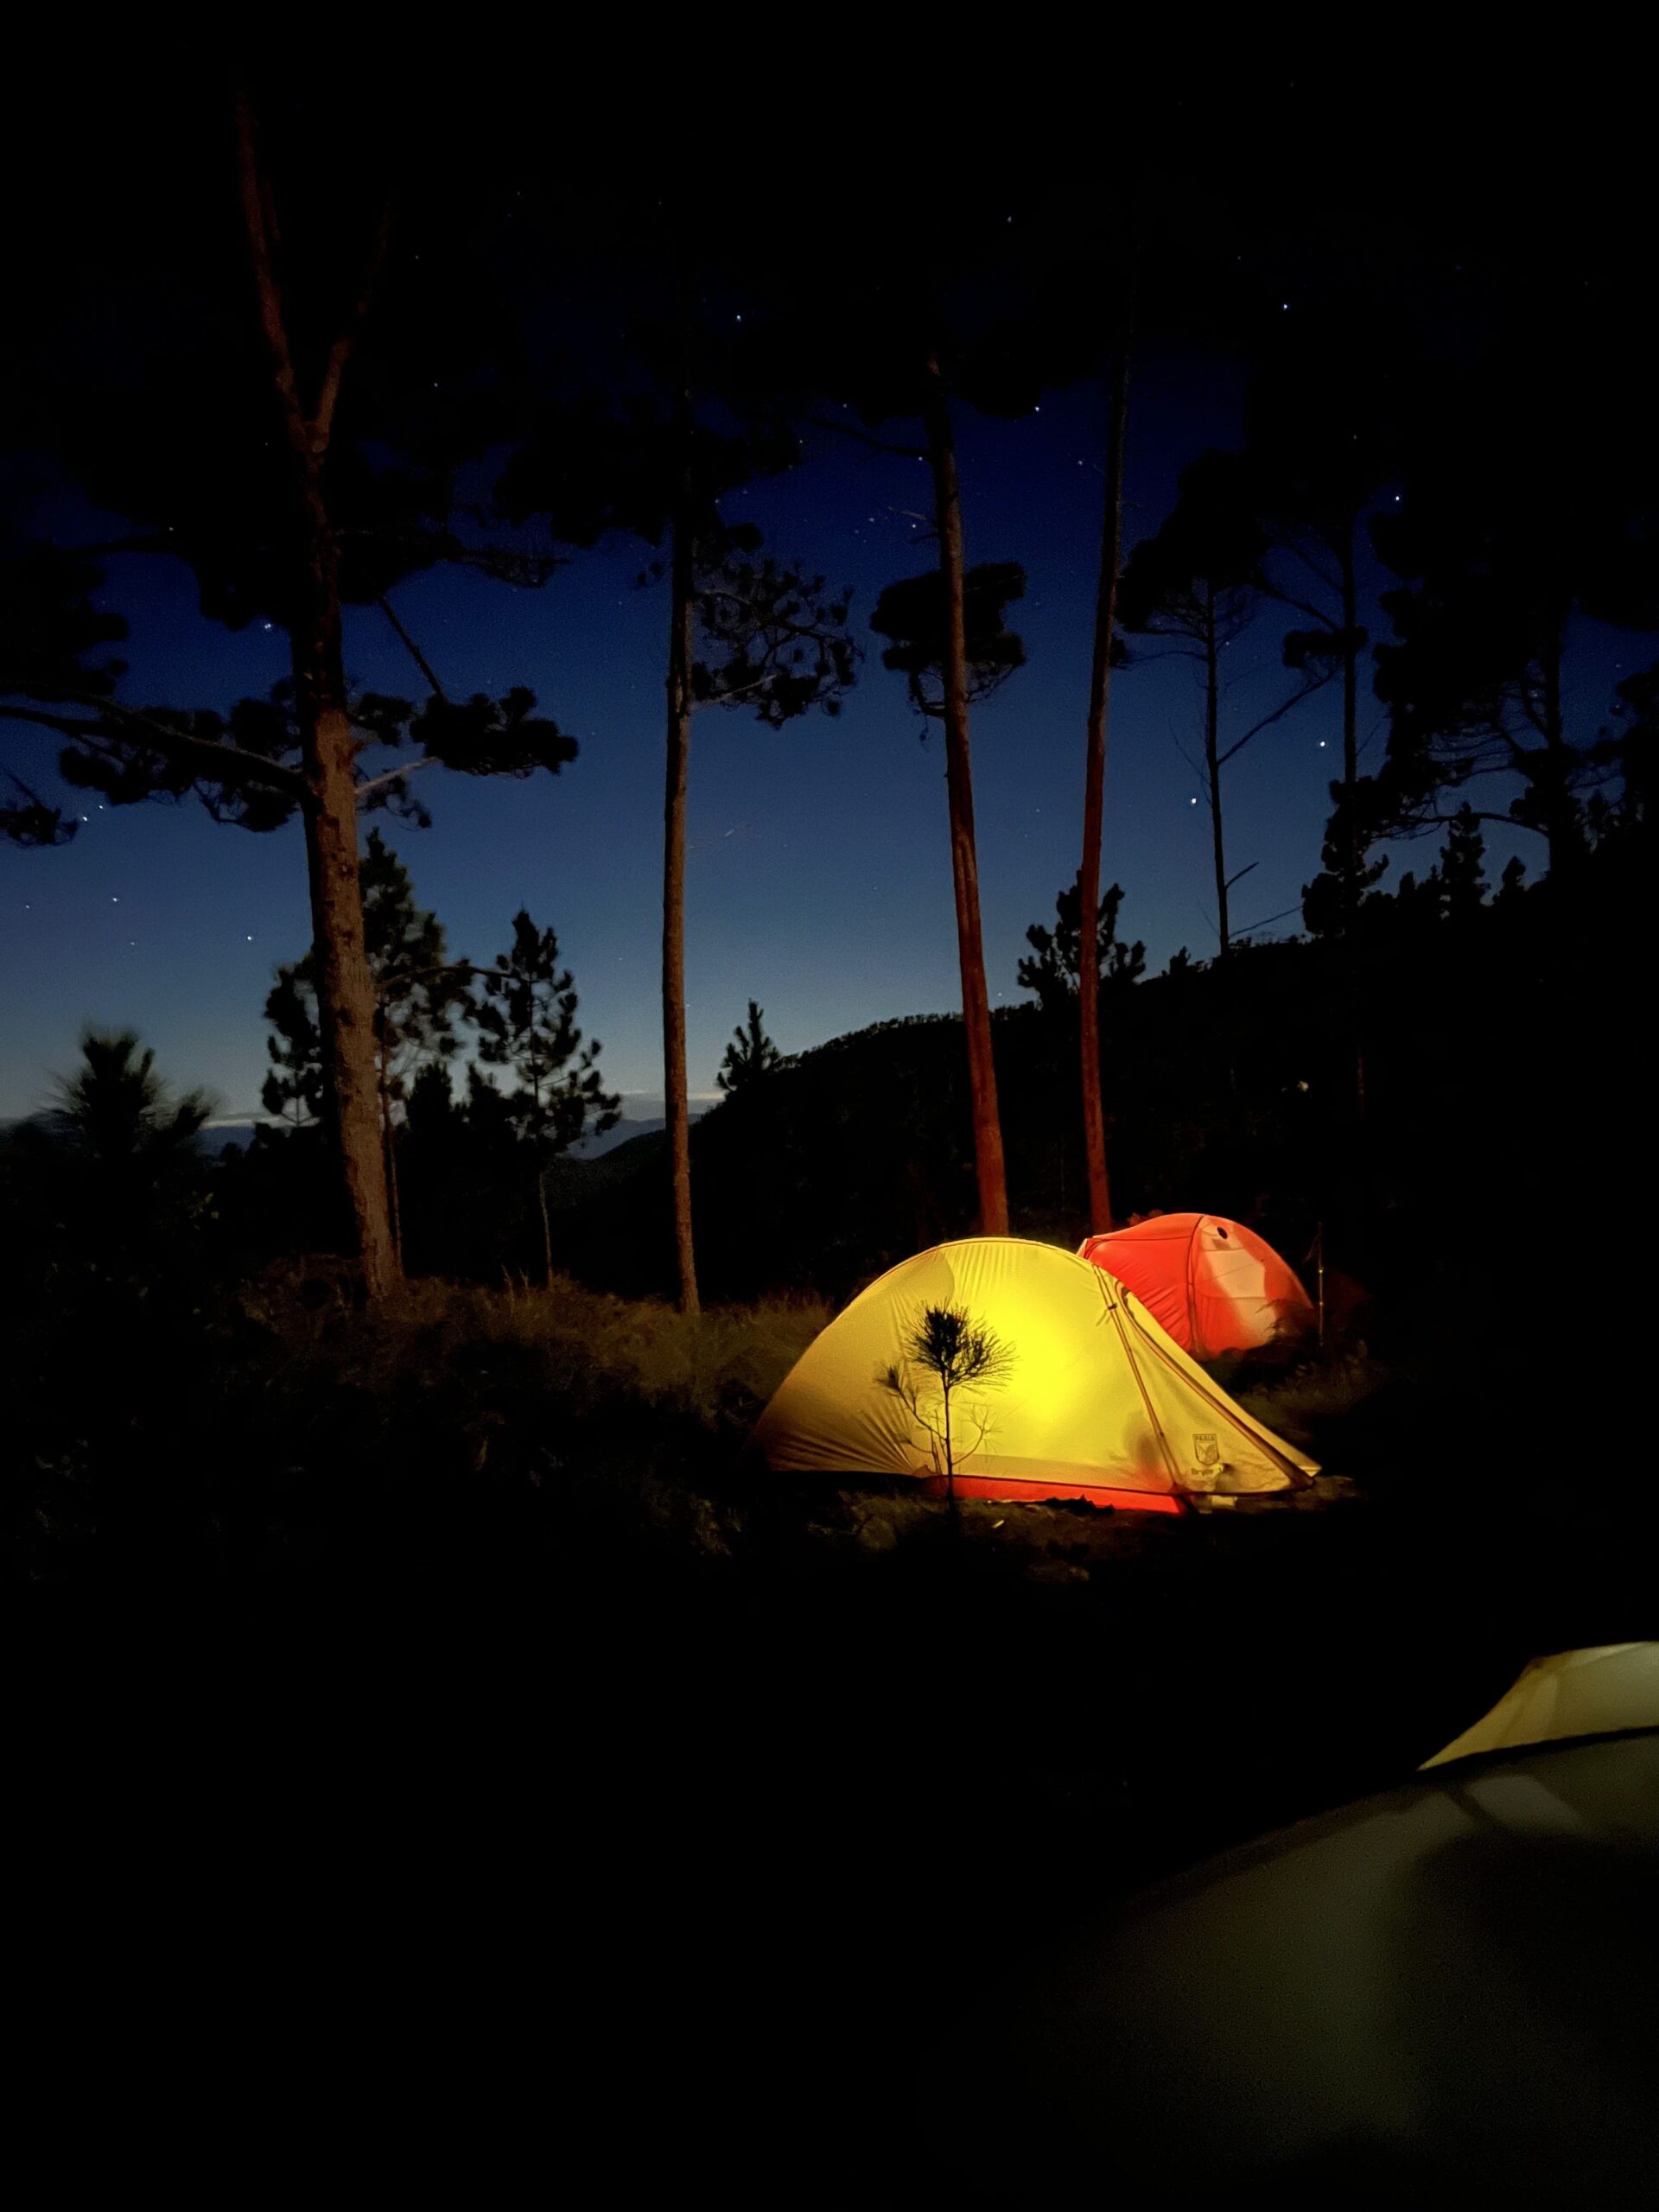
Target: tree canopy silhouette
(750,1057)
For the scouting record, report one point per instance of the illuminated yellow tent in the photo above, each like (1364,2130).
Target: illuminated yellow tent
(1604,1689)
(1097,1401)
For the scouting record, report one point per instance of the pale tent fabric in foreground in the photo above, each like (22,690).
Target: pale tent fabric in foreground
(1097,1400)
(1215,1285)
(1445,1995)
(1599,1691)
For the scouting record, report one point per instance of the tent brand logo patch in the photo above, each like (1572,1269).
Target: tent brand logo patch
(1206,1450)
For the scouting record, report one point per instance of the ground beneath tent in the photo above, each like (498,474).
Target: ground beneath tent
(671,1876)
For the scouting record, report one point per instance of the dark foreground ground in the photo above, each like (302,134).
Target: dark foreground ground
(668,1877)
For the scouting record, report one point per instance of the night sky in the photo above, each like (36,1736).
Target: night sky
(819,873)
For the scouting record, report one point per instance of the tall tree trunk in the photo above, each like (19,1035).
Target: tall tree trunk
(344,982)
(547,1227)
(1213,765)
(388,1135)
(1094,800)
(950,1457)
(1353,856)
(1561,828)
(1350,725)
(345,1003)
(677,1105)
(964,862)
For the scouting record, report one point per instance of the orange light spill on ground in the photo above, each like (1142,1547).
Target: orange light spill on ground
(1015,1493)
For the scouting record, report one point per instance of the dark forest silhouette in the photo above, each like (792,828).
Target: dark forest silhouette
(504,370)
(536,1777)
(501,369)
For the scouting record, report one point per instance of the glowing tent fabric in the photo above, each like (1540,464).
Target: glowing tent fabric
(1097,1401)
(1213,1286)
(1604,1689)
(1443,1995)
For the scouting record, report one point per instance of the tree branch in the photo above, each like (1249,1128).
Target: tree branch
(231,761)
(29,792)
(389,984)
(1293,542)
(146,541)
(865,437)
(323,422)
(374,784)
(251,181)
(413,650)
(1278,714)
(1304,606)
(1268,920)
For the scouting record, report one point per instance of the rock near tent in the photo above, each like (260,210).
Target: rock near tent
(1097,1400)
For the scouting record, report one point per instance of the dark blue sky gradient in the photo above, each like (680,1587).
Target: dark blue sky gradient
(819,872)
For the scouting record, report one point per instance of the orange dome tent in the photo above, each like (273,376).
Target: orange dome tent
(1213,1284)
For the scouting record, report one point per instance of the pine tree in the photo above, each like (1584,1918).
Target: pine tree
(1322,442)
(419,997)
(1463,865)
(750,1057)
(1107,652)
(293,1090)
(934,324)
(1511,885)
(116,1112)
(527,1027)
(952,643)
(1350,875)
(1053,973)
(746,630)
(946,1355)
(243,433)
(1522,511)
(1195,586)
(913,614)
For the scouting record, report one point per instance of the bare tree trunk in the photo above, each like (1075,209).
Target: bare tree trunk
(345,1003)
(1352,857)
(677,1105)
(964,861)
(949,1459)
(345,984)
(547,1228)
(388,1136)
(1213,766)
(1559,827)
(1350,723)
(1094,800)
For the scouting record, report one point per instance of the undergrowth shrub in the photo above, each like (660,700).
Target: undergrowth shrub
(1307,1402)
